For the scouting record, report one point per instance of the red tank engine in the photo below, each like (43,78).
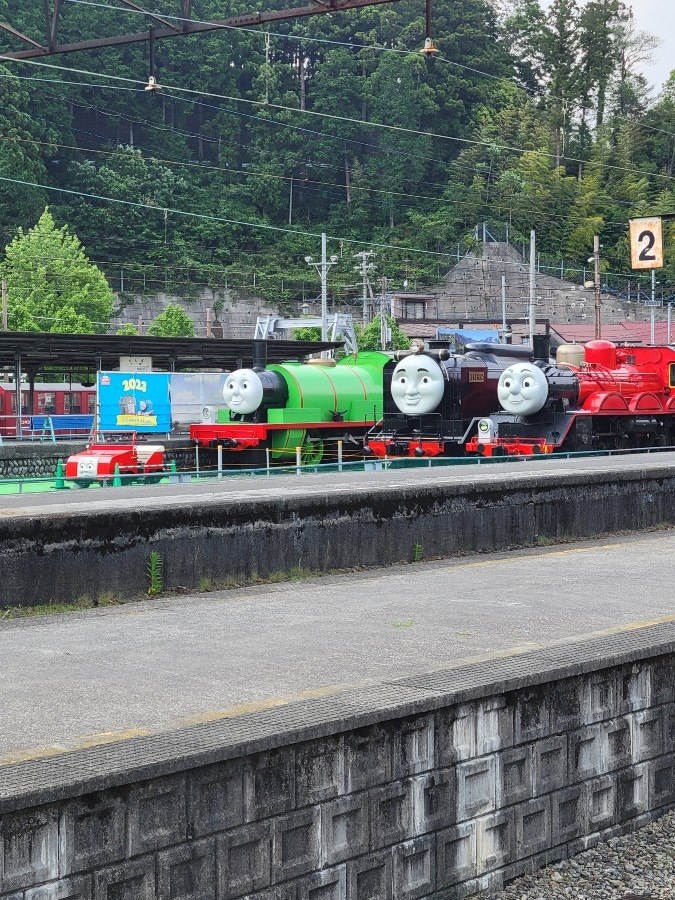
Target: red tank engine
(611,397)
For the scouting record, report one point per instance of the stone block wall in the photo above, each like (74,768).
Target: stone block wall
(463,787)
(35,459)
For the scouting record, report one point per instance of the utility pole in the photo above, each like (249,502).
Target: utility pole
(653,305)
(503,309)
(324,289)
(322,268)
(366,290)
(4,305)
(384,325)
(596,285)
(532,285)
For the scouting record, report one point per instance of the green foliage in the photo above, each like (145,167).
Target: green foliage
(370,337)
(172,322)
(20,155)
(155,573)
(51,285)
(192,192)
(309,333)
(129,329)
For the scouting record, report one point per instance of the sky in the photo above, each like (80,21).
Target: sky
(657,17)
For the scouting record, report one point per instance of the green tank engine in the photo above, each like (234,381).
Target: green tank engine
(270,411)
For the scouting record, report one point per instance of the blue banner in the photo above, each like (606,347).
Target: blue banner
(134,401)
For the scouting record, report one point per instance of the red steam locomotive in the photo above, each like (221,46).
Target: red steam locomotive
(599,397)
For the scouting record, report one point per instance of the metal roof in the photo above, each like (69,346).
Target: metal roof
(631,332)
(34,350)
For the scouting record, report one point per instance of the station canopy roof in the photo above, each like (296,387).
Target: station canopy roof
(38,351)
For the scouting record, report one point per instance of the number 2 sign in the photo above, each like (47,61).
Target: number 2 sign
(646,243)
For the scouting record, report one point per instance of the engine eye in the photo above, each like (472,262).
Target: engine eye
(425,381)
(245,385)
(507,382)
(401,381)
(230,387)
(527,383)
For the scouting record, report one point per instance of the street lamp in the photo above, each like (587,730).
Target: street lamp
(322,268)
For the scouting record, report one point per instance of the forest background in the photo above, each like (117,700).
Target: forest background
(258,141)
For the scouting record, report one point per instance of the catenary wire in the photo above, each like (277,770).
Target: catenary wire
(400,129)
(354,45)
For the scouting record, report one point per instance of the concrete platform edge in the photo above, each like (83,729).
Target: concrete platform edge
(52,778)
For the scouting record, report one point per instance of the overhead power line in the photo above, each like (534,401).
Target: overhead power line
(354,45)
(188,26)
(221,219)
(307,182)
(396,129)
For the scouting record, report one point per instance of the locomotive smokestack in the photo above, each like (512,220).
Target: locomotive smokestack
(259,354)
(541,348)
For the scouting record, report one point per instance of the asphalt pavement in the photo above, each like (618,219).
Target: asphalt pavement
(76,679)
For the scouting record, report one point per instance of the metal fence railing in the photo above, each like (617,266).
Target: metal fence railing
(173,475)
(43,427)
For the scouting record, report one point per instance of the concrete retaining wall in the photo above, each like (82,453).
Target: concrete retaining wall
(84,549)
(35,460)
(435,786)
(38,460)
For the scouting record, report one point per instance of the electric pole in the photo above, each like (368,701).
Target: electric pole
(385,334)
(596,285)
(532,286)
(366,289)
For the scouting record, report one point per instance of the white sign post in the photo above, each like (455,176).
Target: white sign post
(646,243)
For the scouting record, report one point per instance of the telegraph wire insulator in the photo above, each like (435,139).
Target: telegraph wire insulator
(429,47)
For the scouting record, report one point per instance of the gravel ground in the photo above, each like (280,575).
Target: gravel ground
(641,863)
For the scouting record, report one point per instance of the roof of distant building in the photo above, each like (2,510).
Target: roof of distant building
(631,332)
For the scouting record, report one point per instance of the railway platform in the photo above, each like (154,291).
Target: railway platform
(428,729)
(82,678)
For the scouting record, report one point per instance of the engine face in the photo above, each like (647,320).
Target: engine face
(417,385)
(87,466)
(522,389)
(243,391)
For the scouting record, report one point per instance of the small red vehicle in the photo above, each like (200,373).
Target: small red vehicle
(114,453)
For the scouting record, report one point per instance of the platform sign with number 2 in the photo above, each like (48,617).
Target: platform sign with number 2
(646,243)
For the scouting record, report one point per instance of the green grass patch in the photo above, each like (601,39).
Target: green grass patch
(48,609)
(295,573)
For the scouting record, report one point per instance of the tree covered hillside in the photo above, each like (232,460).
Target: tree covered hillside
(259,140)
